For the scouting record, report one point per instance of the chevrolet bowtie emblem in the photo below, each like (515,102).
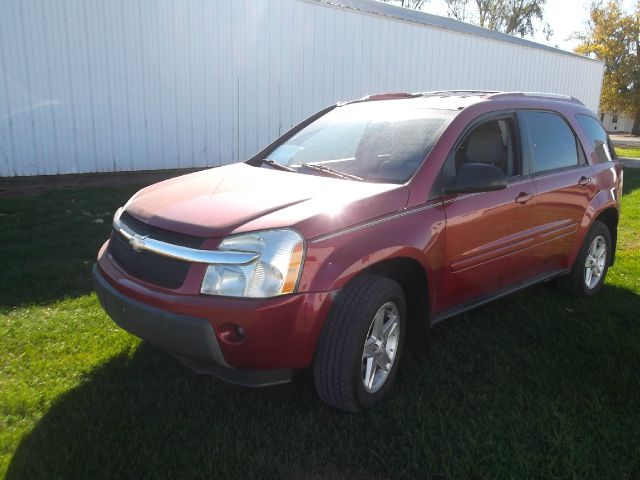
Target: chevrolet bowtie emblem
(137,242)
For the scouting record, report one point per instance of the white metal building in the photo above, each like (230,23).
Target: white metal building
(119,85)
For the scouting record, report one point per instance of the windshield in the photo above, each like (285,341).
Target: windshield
(381,141)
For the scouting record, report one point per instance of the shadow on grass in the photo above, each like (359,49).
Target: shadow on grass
(631,180)
(50,241)
(529,386)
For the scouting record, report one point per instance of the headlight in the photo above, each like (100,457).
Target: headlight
(274,272)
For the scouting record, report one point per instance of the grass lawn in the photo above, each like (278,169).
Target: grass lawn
(629,152)
(536,385)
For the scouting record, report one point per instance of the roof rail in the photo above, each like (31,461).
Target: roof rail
(458,93)
(550,96)
(381,96)
(490,94)
(389,96)
(434,93)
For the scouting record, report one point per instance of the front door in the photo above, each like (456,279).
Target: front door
(489,235)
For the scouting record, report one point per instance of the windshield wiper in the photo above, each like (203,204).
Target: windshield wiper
(331,171)
(276,165)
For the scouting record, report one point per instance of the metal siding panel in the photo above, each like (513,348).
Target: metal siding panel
(105,118)
(394,73)
(351,62)
(185,108)
(442,60)
(382,66)
(195,85)
(338,72)
(326,52)
(267,127)
(33,90)
(7,146)
(155,83)
(307,62)
(374,55)
(227,138)
(414,60)
(144,84)
(99,114)
(284,71)
(19,95)
(428,54)
(357,30)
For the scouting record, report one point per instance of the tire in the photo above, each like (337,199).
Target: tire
(339,369)
(576,282)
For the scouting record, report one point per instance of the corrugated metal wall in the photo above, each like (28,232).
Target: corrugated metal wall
(109,85)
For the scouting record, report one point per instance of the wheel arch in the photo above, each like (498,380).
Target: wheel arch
(604,207)
(409,250)
(610,217)
(414,281)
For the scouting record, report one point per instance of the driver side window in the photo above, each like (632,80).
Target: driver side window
(492,143)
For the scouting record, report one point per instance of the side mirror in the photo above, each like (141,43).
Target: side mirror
(477,177)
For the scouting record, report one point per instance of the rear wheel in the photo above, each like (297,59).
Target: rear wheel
(361,342)
(590,268)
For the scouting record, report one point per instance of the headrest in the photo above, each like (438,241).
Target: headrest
(485,145)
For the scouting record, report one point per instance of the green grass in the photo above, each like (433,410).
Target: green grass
(628,152)
(536,385)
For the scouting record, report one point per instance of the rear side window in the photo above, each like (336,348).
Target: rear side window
(598,138)
(553,144)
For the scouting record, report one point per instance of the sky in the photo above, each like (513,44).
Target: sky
(564,16)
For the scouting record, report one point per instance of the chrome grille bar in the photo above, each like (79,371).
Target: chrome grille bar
(142,243)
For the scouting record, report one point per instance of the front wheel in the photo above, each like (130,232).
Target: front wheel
(590,268)
(360,345)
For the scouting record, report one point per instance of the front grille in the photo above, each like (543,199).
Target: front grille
(161,234)
(150,267)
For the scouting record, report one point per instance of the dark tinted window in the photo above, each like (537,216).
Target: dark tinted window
(552,141)
(599,142)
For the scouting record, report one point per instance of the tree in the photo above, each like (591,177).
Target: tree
(613,36)
(514,17)
(413,4)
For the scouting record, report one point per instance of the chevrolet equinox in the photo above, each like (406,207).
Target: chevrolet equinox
(369,219)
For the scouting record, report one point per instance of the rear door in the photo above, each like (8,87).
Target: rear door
(564,185)
(488,235)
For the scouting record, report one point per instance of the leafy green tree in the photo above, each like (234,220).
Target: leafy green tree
(613,36)
(514,17)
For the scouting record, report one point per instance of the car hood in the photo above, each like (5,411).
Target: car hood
(239,198)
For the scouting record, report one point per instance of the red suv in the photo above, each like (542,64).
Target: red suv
(369,219)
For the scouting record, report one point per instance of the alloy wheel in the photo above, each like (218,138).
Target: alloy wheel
(380,347)
(595,262)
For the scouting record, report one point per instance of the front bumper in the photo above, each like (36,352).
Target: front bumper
(191,339)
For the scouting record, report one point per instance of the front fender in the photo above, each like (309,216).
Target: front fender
(417,234)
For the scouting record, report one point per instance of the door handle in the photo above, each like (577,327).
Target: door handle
(584,181)
(524,197)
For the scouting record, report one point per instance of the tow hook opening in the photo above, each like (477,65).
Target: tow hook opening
(231,333)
